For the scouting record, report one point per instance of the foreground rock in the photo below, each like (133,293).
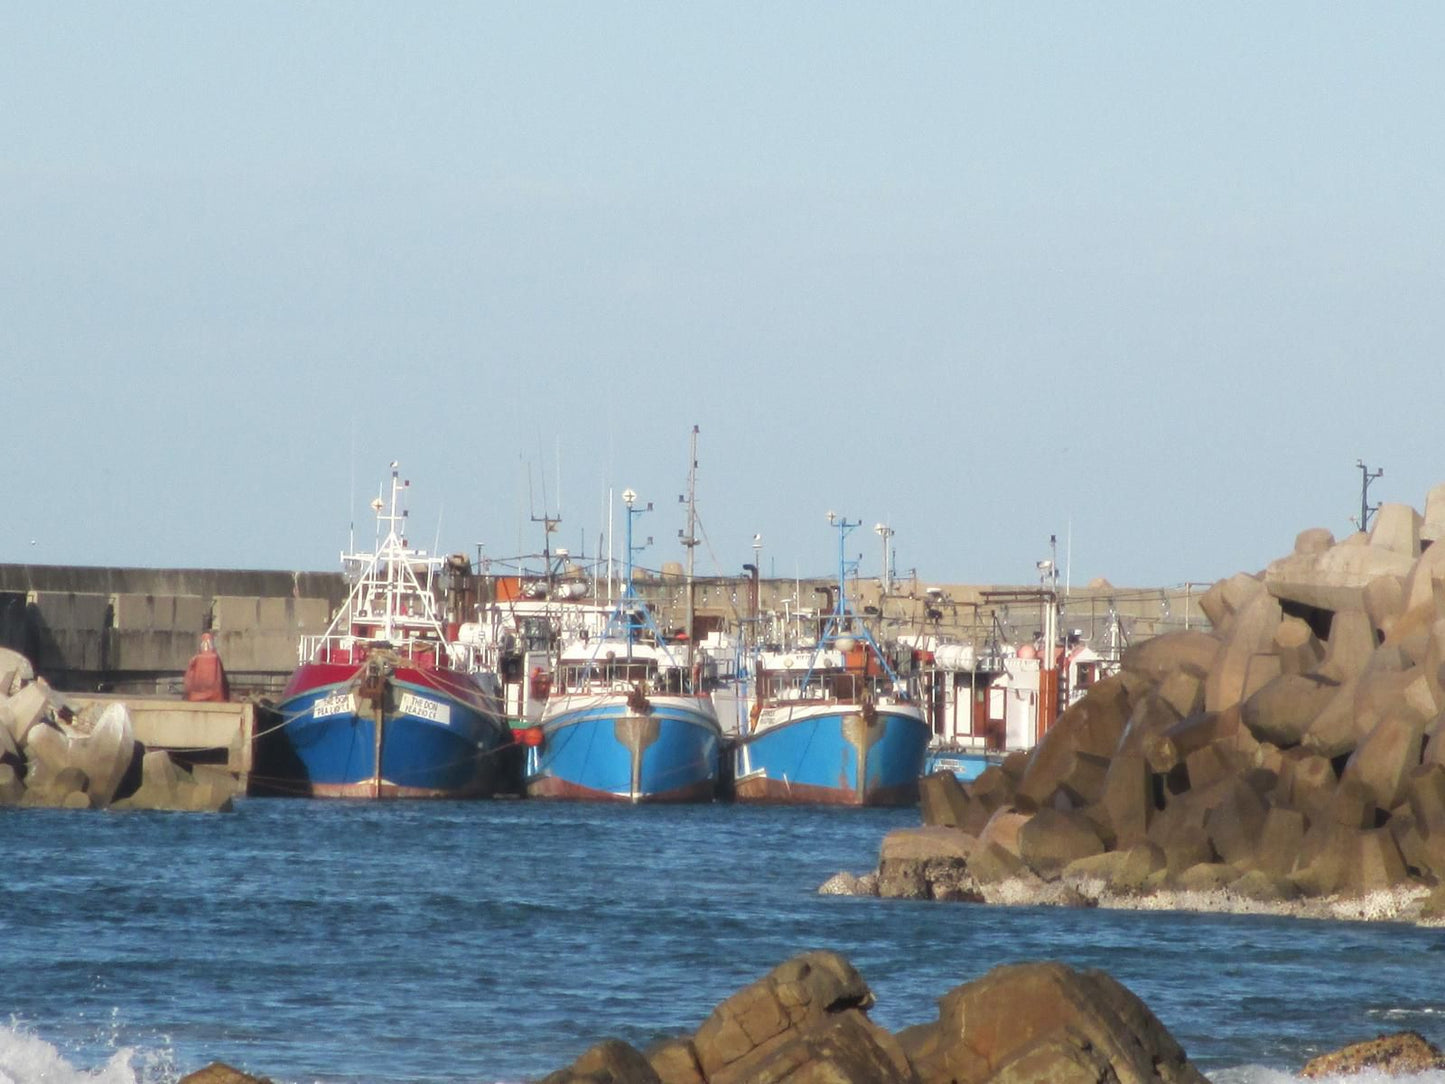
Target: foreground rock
(52,755)
(806,1021)
(1406,1052)
(1290,758)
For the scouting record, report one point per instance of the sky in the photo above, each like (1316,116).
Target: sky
(1147,278)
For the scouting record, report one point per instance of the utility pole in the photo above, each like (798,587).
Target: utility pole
(1366,508)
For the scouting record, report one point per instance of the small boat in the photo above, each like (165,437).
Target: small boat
(831,722)
(387,703)
(624,719)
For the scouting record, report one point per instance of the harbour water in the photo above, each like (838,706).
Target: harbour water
(494,941)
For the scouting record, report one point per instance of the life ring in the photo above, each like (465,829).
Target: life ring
(540,684)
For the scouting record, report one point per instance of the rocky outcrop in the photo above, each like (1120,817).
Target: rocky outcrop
(806,1023)
(1405,1052)
(1294,751)
(55,755)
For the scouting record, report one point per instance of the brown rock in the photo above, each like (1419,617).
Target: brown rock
(845,1048)
(675,1062)
(609,1062)
(1400,1054)
(218,1072)
(743,1032)
(1033,1020)
(913,862)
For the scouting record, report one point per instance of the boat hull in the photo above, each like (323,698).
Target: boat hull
(965,765)
(440,737)
(828,754)
(603,749)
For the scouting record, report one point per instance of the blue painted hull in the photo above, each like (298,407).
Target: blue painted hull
(444,747)
(599,748)
(831,755)
(966,765)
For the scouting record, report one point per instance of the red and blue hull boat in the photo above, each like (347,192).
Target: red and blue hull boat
(387,702)
(386,729)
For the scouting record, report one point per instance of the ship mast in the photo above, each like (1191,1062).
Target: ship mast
(690,541)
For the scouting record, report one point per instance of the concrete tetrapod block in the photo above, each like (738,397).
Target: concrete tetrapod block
(1396,527)
(1051,840)
(15,669)
(1425,795)
(1003,828)
(1223,602)
(1192,651)
(1280,839)
(1306,782)
(1336,579)
(1184,692)
(1351,643)
(1313,540)
(1384,598)
(1297,646)
(943,800)
(1381,764)
(26,709)
(1126,805)
(1074,752)
(1422,586)
(1433,527)
(1251,634)
(1335,731)
(1236,823)
(105,753)
(1282,711)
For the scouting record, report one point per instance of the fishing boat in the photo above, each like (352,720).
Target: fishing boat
(387,703)
(624,718)
(832,721)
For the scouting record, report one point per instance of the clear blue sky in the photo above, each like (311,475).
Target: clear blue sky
(1149,277)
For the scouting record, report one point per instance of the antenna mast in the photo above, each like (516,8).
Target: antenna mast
(690,541)
(1366,508)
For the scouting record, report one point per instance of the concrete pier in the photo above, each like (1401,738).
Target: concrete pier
(215,733)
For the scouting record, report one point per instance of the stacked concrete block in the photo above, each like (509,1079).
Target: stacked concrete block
(53,755)
(1296,748)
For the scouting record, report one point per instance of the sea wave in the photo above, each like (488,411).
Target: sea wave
(26,1058)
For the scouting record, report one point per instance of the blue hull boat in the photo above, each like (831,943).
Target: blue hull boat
(434,742)
(625,748)
(833,755)
(386,703)
(965,764)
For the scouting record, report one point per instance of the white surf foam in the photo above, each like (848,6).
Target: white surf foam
(1258,1074)
(28,1059)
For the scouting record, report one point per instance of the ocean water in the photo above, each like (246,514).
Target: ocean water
(495,941)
